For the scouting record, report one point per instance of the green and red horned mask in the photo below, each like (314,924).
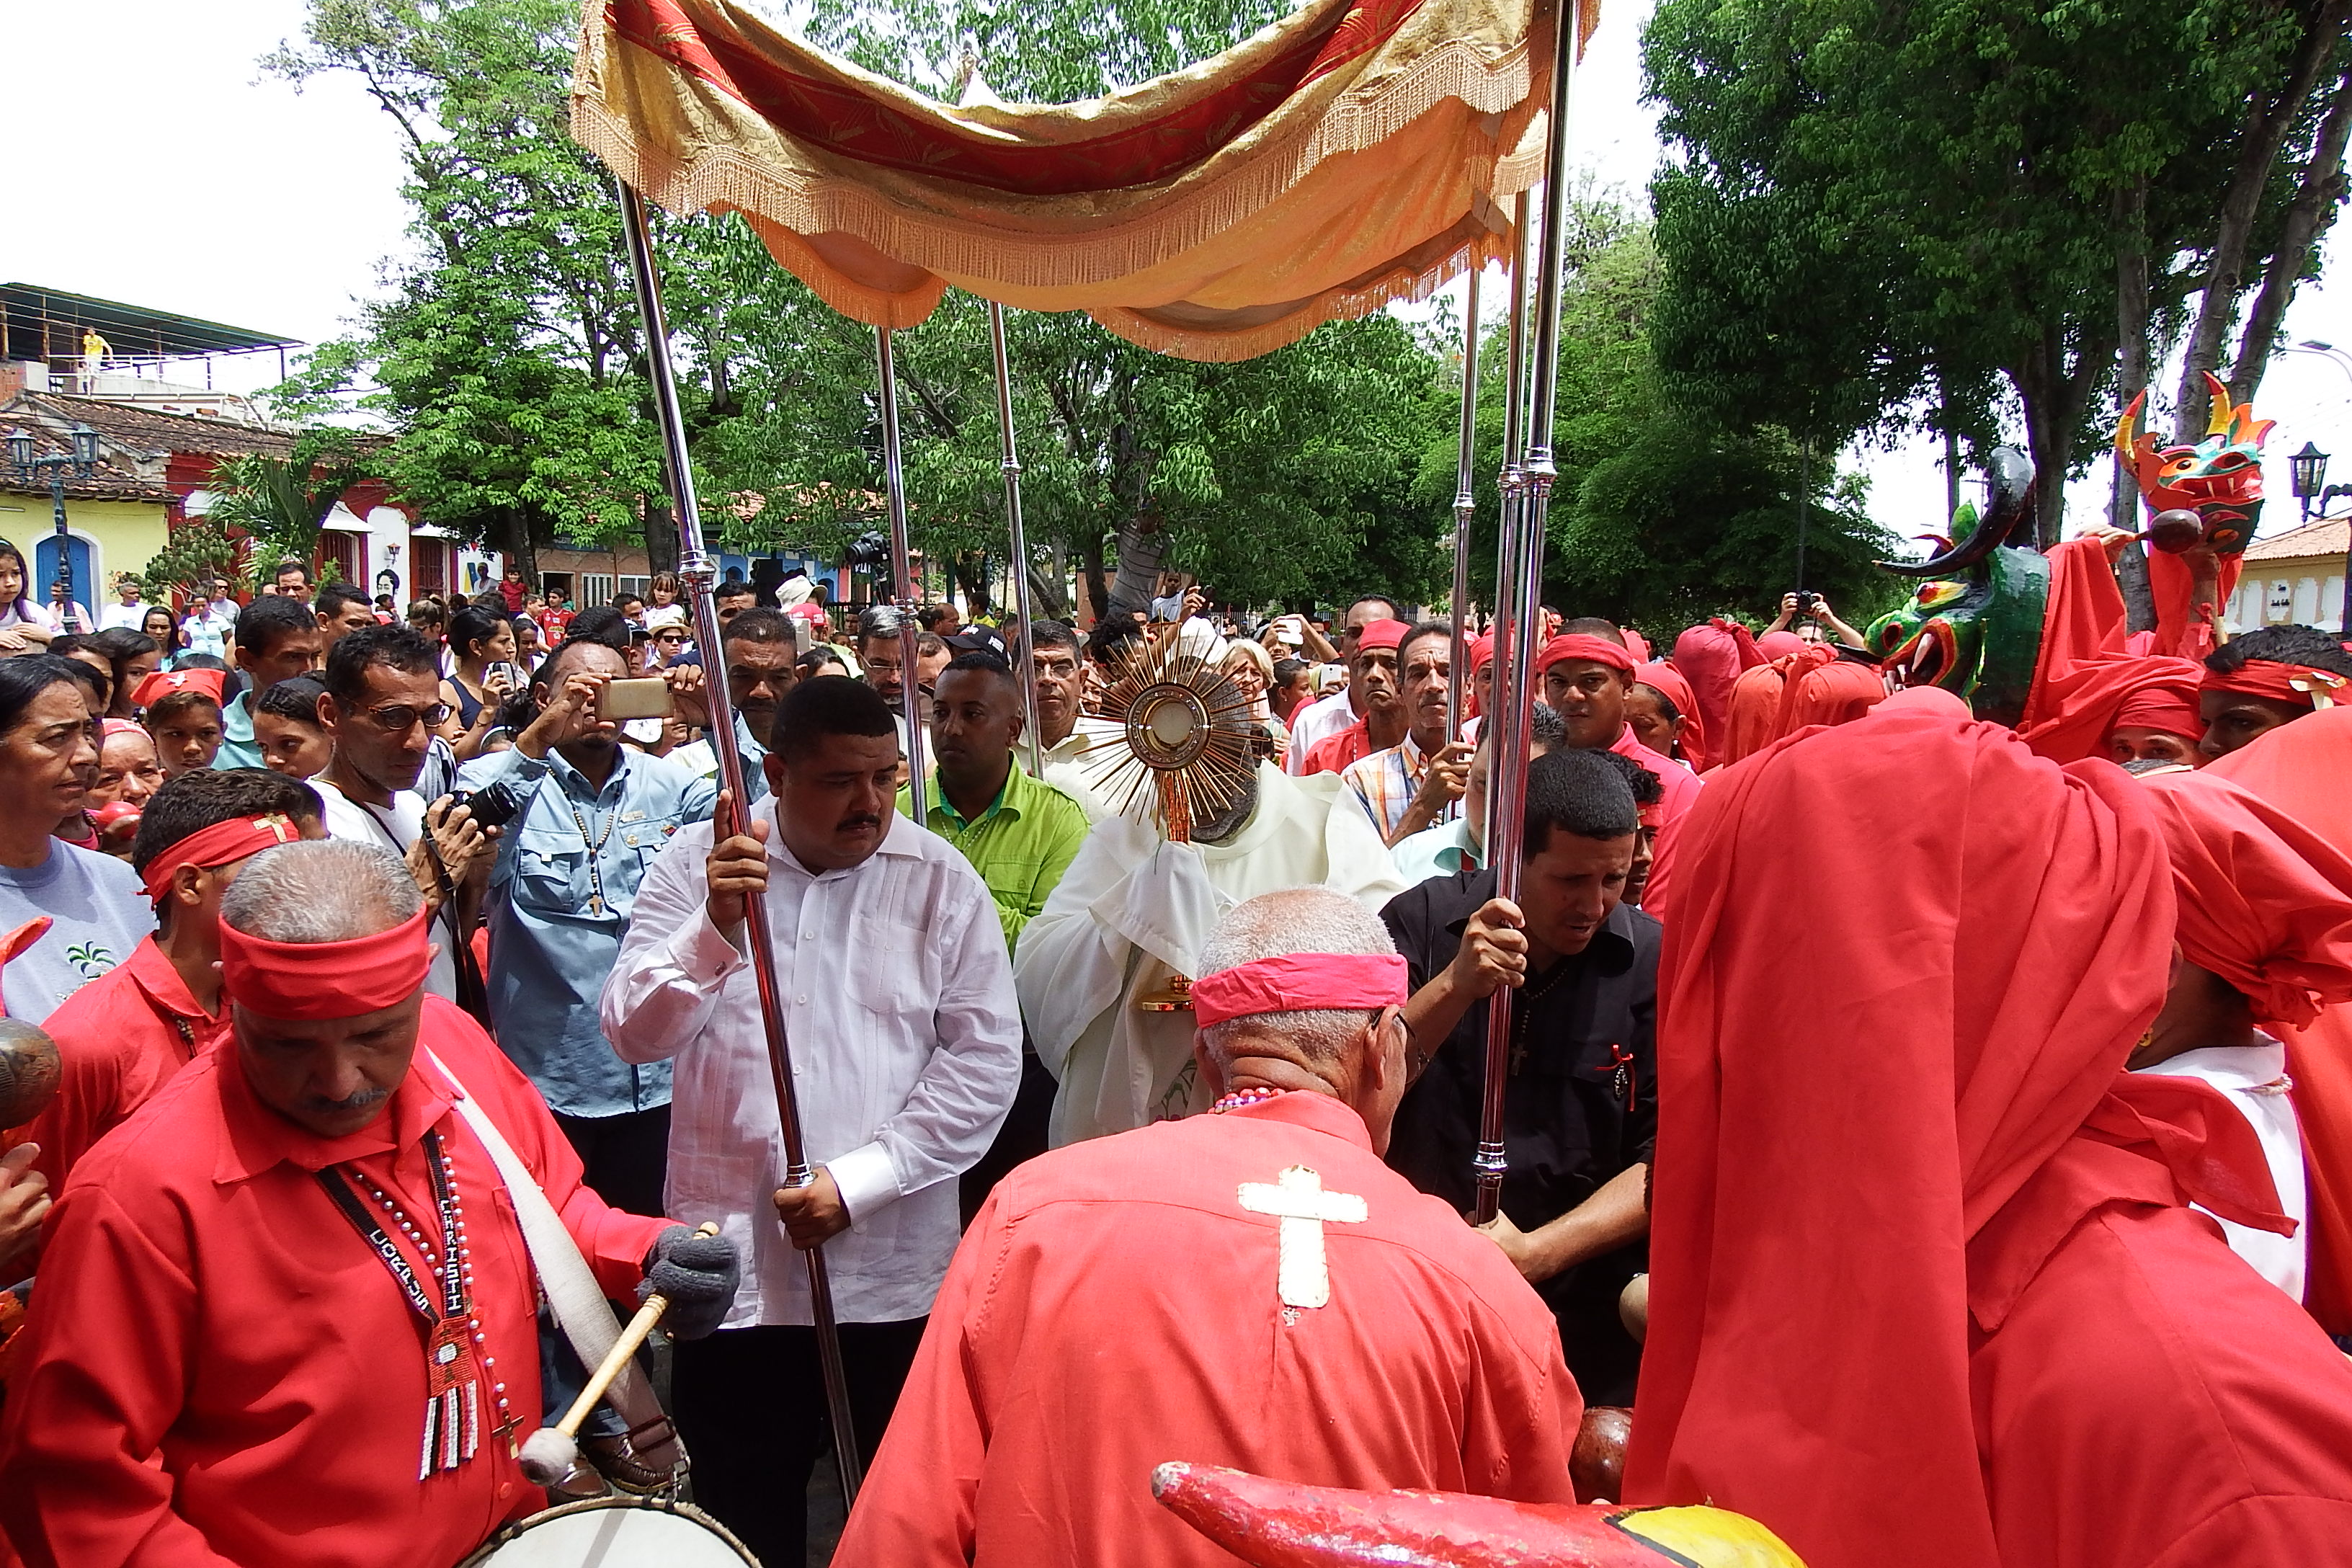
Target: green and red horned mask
(1974,625)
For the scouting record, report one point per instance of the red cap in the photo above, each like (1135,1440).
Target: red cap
(164,682)
(1381,633)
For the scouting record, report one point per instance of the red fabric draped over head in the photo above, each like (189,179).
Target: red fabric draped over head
(1711,657)
(1834,1131)
(2264,902)
(1780,645)
(1755,709)
(2076,709)
(1819,688)
(1667,679)
(2301,769)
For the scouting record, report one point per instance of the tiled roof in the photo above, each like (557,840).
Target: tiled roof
(105,481)
(2331,537)
(150,432)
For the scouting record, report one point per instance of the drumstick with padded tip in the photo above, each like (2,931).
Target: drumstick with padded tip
(552,1454)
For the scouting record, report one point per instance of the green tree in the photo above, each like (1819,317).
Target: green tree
(1873,215)
(503,360)
(1662,514)
(278,504)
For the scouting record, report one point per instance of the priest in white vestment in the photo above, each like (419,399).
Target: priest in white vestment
(1130,914)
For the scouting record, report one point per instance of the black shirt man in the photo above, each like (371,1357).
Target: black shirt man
(1580,1114)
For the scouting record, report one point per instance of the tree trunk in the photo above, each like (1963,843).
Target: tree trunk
(2131,378)
(661,536)
(970,571)
(2267,125)
(1048,599)
(1142,546)
(1091,570)
(2055,399)
(2307,217)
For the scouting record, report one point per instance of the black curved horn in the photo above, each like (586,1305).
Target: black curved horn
(2008,520)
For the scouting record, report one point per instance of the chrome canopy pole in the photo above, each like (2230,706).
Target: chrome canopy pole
(1010,461)
(907,594)
(698,573)
(1465,505)
(1507,766)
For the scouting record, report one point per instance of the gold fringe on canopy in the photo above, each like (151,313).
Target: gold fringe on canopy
(1354,153)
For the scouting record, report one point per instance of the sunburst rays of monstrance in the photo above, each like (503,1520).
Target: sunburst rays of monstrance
(1185,751)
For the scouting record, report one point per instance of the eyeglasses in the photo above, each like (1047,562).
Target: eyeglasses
(399,721)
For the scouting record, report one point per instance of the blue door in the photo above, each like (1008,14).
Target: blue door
(45,572)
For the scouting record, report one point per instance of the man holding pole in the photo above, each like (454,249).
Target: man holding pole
(1580,1104)
(898,995)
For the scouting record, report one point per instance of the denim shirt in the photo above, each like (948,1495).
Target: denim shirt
(556,924)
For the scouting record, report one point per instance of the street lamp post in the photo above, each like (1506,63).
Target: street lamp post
(54,466)
(2309,468)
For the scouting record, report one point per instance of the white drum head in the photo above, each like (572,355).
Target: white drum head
(614,1532)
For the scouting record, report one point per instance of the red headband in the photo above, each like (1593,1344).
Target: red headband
(222,844)
(2280,682)
(1299,982)
(1579,645)
(314,980)
(1381,633)
(164,682)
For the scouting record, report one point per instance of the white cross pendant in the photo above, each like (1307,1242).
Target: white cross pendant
(1303,1277)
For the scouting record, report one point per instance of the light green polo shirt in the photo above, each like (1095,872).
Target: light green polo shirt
(1020,846)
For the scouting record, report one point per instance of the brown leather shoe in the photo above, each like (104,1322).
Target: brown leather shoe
(620,1464)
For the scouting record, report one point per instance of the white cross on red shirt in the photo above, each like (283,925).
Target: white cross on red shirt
(1302,1276)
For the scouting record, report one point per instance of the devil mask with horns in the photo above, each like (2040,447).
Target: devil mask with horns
(1974,625)
(2203,501)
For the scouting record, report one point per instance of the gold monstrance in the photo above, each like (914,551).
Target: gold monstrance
(1186,732)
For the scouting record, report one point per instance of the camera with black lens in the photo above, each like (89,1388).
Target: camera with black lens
(1806,602)
(494,806)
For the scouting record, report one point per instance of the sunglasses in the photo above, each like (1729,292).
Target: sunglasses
(400,719)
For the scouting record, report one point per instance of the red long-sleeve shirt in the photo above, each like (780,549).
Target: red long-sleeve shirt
(1118,1303)
(219,1370)
(120,1038)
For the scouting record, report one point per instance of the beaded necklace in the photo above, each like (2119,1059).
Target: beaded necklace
(1242,1097)
(456,1358)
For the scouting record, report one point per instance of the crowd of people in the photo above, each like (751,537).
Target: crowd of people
(1939,1133)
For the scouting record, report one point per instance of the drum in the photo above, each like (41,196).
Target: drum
(614,1532)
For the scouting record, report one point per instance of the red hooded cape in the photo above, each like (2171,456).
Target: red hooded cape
(1666,678)
(2085,676)
(2304,769)
(1819,688)
(1901,1188)
(1711,657)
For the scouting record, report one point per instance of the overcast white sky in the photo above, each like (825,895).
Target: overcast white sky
(183,181)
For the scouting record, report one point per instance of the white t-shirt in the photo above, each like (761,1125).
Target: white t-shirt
(2254,1078)
(393,828)
(129,615)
